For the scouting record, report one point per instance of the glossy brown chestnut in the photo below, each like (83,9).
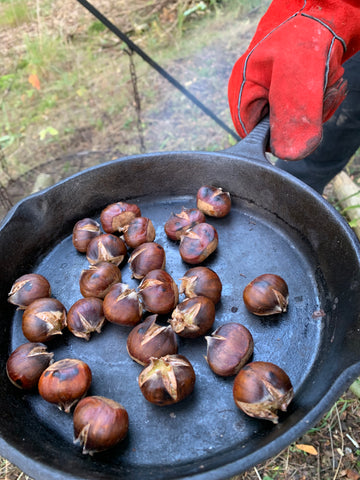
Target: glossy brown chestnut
(229,348)
(158,292)
(193,317)
(115,217)
(198,243)
(106,248)
(213,201)
(85,317)
(83,232)
(266,295)
(26,364)
(140,230)
(99,424)
(28,288)
(167,380)
(43,319)
(201,281)
(148,339)
(146,257)
(179,223)
(122,305)
(65,382)
(97,280)
(261,389)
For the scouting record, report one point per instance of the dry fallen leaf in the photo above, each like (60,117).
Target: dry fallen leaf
(307,448)
(34,81)
(352,475)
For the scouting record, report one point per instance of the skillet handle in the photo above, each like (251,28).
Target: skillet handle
(254,145)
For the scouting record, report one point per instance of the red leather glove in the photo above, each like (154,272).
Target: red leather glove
(292,71)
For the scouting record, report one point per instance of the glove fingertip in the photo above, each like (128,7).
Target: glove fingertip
(295,145)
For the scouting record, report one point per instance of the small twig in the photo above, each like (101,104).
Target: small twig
(257,473)
(342,443)
(332,448)
(136,99)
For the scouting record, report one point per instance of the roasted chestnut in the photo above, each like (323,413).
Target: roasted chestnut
(65,382)
(201,281)
(146,257)
(266,295)
(28,288)
(213,201)
(229,348)
(83,232)
(106,248)
(140,230)
(148,339)
(179,223)
(43,319)
(198,243)
(167,380)
(261,389)
(158,292)
(86,316)
(97,280)
(26,364)
(99,424)
(115,217)
(193,317)
(122,305)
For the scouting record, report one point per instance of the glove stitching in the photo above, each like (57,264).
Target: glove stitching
(326,26)
(298,13)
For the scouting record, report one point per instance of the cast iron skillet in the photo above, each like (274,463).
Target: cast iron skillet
(277,225)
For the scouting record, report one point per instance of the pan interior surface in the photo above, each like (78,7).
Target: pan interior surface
(206,424)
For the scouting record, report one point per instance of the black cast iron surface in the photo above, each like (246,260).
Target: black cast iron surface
(277,225)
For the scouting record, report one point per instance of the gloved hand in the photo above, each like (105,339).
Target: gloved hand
(293,71)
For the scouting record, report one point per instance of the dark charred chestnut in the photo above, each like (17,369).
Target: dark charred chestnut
(201,281)
(229,348)
(158,292)
(85,317)
(115,217)
(213,201)
(106,248)
(26,364)
(97,280)
(193,317)
(261,389)
(267,294)
(122,305)
(43,319)
(146,257)
(179,223)
(83,232)
(99,424)
(198,243)
(28,288)
(65,382)
(140,230)
(148,339)
(167,380)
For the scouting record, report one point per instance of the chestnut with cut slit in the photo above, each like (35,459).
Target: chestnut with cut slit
(97,280)
(65,382)
(148,339)
(261,389)
(158,292)
(43,319)
(201,281)
(179,223)
(27,288)
(267,294)
(193,317)
(100,423)
(167,380)
(83,232)
(106,248)
(229,347)
(198,243)
(86,316)
(122,305)
(213,201)
(116,216)
(26,364)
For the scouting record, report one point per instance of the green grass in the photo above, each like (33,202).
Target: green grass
(14,13)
